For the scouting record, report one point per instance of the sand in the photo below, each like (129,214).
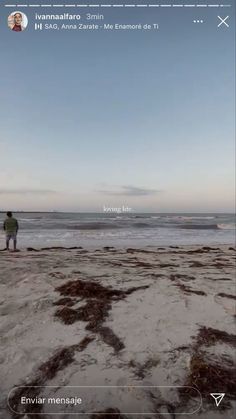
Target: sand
(110,317)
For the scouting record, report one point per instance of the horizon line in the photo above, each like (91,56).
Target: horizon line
(114,212)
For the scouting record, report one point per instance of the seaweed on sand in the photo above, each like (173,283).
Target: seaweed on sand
(141,370)
(206,376)
(223,294)
(66,301)
(204,249)
(95,311)
(184,277)
(189,290)
(67,315)
(46,371)
(92,290)
(62,358)
(61,248)
(109,413)
(89,289)
(141,264)
(208,336)
(186,289)
(131,250)
(168,265)
(57,362)
(111,339)
(196,264)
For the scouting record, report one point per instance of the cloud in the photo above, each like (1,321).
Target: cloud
(131,191)
(27,191)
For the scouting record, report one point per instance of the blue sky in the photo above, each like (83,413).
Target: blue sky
(143,119)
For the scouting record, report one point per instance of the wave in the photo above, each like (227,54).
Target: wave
(142,225)
(28,220)
(93,226)
(199,217)
(103,226)
(128,223)
(199,227)
(226,226)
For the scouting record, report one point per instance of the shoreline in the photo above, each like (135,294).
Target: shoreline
(121,247)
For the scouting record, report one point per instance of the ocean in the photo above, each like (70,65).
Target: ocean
(121,230)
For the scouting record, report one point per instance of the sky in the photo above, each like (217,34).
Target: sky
(143,119)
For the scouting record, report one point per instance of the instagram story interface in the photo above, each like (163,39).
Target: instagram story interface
(117,228)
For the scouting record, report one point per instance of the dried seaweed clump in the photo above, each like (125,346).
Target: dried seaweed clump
(141,370)
(87,289)
(223,294)
(208,336)
(109,413)
(98,304)
(189,290)
(206,376)
(67,315)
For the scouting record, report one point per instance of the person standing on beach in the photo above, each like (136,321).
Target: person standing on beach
(10,227)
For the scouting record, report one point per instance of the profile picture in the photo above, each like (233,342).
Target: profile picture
(17,21)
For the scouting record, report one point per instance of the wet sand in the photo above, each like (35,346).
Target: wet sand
(155,316)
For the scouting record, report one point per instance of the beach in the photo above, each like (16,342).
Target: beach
(109,316)
(117,210)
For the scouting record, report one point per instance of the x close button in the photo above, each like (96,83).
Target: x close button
(223,21)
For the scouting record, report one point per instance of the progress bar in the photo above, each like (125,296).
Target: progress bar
(187,6)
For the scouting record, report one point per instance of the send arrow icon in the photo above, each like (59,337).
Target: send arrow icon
(218,397)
